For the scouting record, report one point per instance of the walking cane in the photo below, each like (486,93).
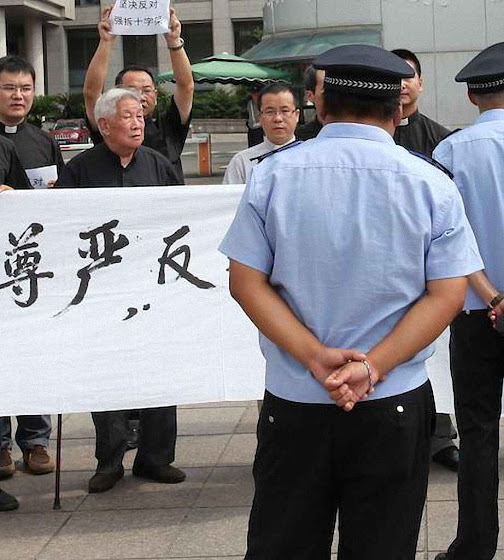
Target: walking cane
(57,504)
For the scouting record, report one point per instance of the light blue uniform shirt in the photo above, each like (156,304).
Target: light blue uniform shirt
(348,227)
(475,156)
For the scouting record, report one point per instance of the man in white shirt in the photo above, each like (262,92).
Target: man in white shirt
(279,118)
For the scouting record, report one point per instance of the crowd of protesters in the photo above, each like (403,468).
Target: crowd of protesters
(362,234)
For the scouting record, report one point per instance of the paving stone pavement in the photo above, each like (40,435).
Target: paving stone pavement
(202,518)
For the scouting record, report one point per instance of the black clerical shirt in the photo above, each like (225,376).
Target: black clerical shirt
(420,134)
(100,167)
(309,130)
(165,134)
(34,146)
(11,170)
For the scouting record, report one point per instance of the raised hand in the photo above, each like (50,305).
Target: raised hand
(173,36)
(104,26)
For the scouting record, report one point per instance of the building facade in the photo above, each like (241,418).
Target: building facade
(59,37)
(23,25)
(444,33)
(208,27)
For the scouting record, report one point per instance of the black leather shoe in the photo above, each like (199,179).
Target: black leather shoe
(447,457)
(442,556)
(166,474)
(101,482)
(7,502)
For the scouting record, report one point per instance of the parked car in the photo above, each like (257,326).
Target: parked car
(71,131)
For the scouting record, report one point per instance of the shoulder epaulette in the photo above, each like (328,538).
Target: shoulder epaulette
(277,151)
(452,132)
(433,162)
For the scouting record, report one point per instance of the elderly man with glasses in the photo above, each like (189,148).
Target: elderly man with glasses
(279,118)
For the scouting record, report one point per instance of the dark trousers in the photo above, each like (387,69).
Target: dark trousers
(477,364)
(156,446)
(369,466)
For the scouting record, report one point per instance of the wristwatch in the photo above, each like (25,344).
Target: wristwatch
(495,300)
(178,47)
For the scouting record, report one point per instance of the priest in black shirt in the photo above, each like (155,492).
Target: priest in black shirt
(165,132)
(416,131)
(122,161)
(309,130)
(420,134)
(36,149)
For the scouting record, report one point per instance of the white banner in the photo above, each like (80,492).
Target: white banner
(118,298)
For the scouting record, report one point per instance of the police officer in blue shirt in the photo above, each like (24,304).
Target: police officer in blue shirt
(476,158)
(347,241)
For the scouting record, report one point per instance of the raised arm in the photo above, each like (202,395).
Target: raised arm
(184,88)
(96,74)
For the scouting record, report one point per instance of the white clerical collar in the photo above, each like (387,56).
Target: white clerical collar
(404,122)
(11,129)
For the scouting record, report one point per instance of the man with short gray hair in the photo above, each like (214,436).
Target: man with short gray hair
(121,161)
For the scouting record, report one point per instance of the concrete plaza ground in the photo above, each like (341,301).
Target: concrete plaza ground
(204,518)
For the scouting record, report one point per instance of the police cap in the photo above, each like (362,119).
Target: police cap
(364,70)
(485,72)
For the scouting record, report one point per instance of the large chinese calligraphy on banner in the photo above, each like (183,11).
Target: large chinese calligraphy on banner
(118,298)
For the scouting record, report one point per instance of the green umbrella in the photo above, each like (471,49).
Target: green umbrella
(227,68)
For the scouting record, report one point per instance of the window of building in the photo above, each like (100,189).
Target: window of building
(198,39)
(141,50)
(82,44)
(87,2)
(15,38)
(247,33)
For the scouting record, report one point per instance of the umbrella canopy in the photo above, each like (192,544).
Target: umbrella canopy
(227,68)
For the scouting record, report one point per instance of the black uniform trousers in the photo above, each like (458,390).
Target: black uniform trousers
(477,364)
(156,445)
(368,466)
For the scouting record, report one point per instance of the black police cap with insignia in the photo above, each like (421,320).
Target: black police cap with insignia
(485,72)
(364,70)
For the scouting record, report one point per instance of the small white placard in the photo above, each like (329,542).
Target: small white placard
(140,17)
(42,177)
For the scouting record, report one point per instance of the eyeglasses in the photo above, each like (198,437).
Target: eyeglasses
(11,88)
(272,113)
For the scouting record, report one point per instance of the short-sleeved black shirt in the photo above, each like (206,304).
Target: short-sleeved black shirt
(34,146)
(11,169)
(99,167)
(165,134)
(421,134)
